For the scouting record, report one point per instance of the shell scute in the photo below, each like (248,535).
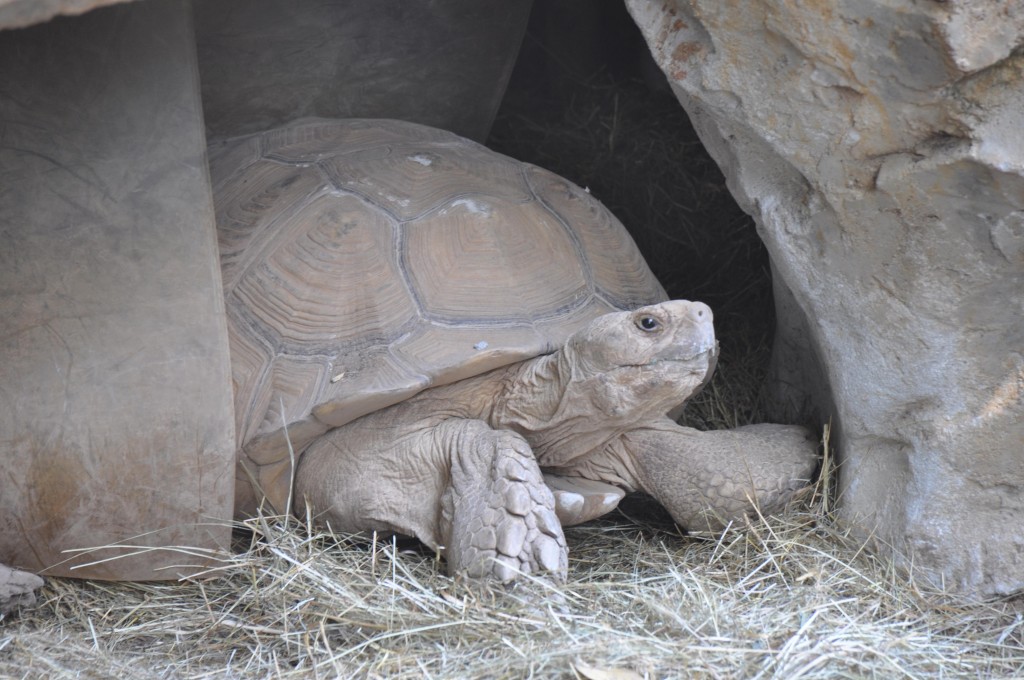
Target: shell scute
(249,213)
(619,271)
(329,278)
(312,139)
(488,259)
(409,180)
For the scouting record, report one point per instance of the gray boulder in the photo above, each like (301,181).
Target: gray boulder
(880,148)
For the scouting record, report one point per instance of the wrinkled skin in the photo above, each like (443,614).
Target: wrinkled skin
(17,589)
(460,466)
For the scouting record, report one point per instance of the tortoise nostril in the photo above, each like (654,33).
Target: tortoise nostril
(700,312)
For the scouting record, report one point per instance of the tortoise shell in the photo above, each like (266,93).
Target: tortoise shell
(367,260)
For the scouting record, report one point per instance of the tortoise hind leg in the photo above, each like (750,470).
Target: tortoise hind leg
(458,485)
(579,500)
(17,589)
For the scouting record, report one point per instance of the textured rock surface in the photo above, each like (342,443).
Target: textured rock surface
(880,147)
(266,62)
(115,393)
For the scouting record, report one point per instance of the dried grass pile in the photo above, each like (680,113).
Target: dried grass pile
(789,597)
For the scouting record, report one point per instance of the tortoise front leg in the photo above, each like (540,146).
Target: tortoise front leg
(497,516)
(707,479)
(459,486)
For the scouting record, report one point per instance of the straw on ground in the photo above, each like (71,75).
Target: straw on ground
(789,597)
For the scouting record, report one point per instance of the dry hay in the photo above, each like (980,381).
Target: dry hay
(786,597)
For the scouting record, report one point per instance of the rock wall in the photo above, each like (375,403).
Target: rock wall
(880,147)
(116,421)
(264,63)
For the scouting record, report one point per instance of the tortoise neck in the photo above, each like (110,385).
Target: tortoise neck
(554,410)
(532,393)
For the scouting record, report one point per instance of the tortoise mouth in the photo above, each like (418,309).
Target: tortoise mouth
(696,360)
(686,354)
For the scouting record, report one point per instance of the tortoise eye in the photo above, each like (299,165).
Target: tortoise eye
(648,323)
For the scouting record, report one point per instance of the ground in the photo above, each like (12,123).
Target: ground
(791,597)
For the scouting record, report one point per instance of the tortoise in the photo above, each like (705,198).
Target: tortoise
(432,339)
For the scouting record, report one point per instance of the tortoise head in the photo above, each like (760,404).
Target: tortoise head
(651,359)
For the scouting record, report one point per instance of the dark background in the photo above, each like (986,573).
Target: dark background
(587,101)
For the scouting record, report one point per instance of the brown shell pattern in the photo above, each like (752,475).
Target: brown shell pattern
(366,260)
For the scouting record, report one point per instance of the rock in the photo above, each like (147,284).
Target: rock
(880,148)
(264,63)
(115,407)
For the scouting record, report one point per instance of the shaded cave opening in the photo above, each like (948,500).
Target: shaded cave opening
(586,101)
